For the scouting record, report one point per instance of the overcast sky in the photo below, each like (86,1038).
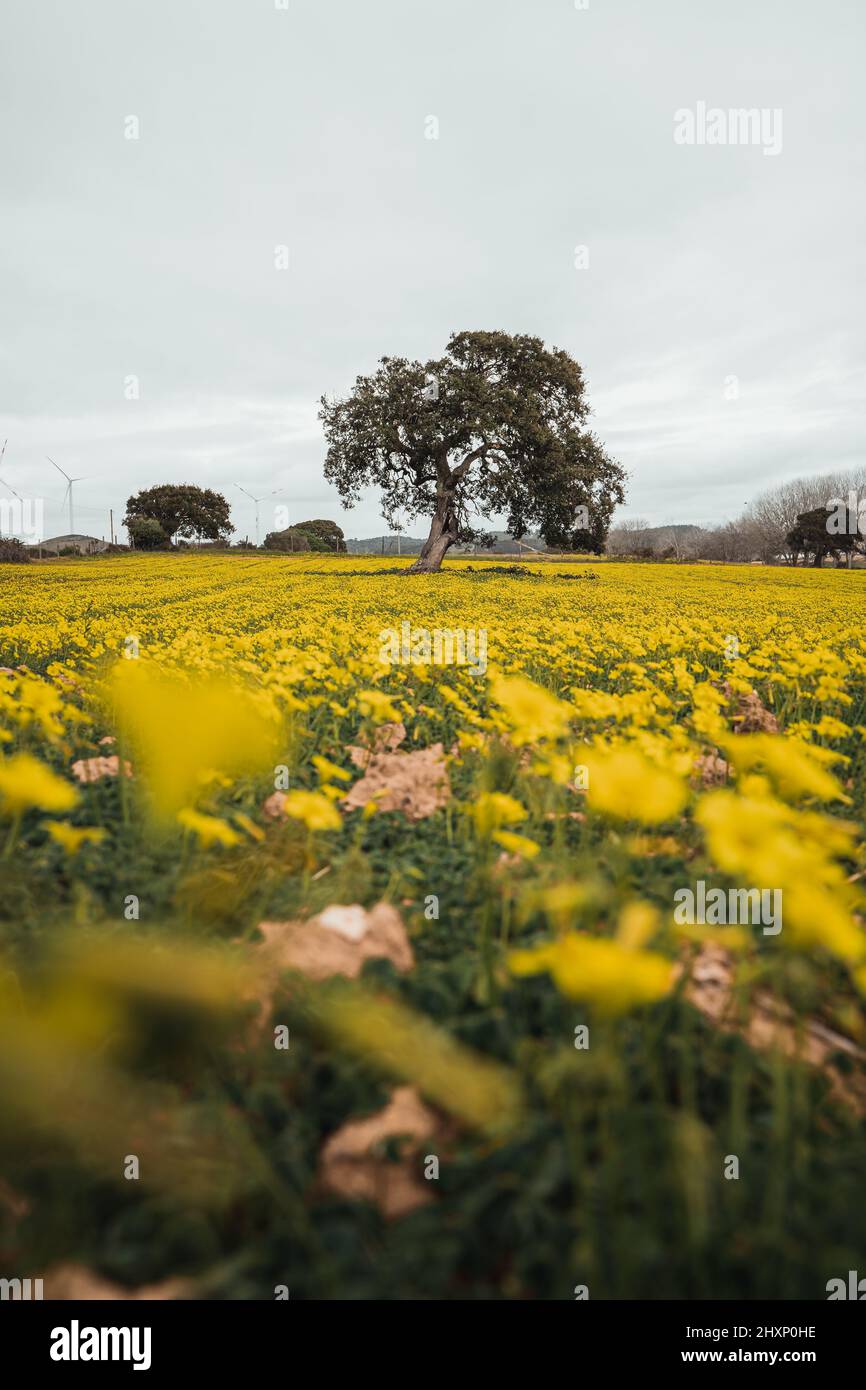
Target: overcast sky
(305,124)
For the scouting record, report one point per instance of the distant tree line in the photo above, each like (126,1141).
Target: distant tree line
(792,522)
(174,514)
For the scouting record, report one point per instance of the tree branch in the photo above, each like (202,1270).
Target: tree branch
(481,452)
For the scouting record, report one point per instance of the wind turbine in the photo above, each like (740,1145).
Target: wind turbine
(257,500)
(68,492)
(9,485)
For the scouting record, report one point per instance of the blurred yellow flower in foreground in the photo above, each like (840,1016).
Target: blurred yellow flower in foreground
(624,783)
(494,809)
(516,844)
(611,976)
(184,732)
(328,770)
(759,840)
(483,1093)
(25,782)
(378,706)
(638,924)
(314,809)
(530,712)
(793,766)
(210,830)
(72,837)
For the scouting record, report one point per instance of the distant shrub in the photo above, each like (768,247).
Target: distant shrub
(292,539)
(326,531)
(13,552)
(146,533)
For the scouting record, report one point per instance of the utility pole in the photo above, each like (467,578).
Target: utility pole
(111,523)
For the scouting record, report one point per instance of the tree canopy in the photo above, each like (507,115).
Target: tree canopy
(320,535)
(181,509)
(291,539)
(146,533)
(496,426)
(812,534)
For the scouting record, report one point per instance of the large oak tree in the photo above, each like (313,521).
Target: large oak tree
(497,426)
(182,509)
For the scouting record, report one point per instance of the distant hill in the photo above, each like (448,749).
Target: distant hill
(384,545)
(678,537)
(501,543)
(684,530)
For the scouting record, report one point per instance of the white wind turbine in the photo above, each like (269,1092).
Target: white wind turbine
(9,485)
(257,500)
(4,482)
(68,492)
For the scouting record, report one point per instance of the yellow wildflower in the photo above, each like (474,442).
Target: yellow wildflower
(612,977)
(314,809)
(72,837)
(27,783)
(210,830)
(624,783)
(531,712)
(328,770)
(516,844)
(492,810)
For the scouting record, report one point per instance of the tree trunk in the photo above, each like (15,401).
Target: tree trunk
(443,534)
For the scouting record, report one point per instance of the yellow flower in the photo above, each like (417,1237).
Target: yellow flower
(327,770)
(314,809)
(186,731)
(751,836)
(483,1093)
(638,924)
(769,845)
(563,902)
(254,831)
(606,974)
(557,767)
(516,844)
(814,916)
(829,727)
(531,712)
(209,829)
(624,783)
(72,837)
(333,793)
(376,705)
(793,767)
(25,783)
(494,809)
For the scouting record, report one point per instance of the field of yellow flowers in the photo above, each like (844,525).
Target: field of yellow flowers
(335,965)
